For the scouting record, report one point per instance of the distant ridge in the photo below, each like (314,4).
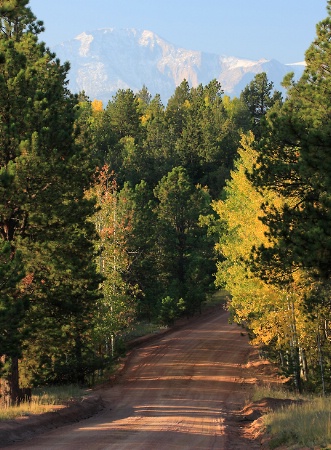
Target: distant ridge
(105,60)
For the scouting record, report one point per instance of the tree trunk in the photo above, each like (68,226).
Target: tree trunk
(320,358)
(303,364)
(9,385)
(295,352)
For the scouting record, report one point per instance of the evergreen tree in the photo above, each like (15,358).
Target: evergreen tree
(144,99)
(184,252)
(143,248)
(177,107)
(203,135)
(43,212)
(94,133)
(124,114)
(259,96)
(294,158)
(158,146)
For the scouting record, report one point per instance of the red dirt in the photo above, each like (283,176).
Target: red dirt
(185,389)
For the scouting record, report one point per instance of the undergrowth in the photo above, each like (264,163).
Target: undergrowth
(42,401)
(276,391)
(304,423)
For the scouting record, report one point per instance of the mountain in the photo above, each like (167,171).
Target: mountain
(106,60)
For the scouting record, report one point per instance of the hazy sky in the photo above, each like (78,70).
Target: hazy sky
(253,29)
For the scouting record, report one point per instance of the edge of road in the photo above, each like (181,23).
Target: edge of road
(138,342)
(22,428)
(26,427)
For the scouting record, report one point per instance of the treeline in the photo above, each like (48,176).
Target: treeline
(111,214)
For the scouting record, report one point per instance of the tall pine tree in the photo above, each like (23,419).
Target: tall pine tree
(43,211)
(295,159)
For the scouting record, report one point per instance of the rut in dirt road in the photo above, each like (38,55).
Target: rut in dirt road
(177,392)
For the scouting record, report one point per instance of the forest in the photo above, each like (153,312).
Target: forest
(138,211)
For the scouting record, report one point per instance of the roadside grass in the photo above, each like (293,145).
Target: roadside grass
(305,423)
(219,297)
(43,400)
(140,329)
(276,391)
(56,395)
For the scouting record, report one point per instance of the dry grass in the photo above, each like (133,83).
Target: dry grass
(25,409)
(278,391)
(302,424)
(43,400)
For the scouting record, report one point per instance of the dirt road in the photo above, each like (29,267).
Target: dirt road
(179,392)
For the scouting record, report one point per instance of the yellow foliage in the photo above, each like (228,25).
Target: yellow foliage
(145,118)
(242,208)
(97,105)
(187,104)
(272,313)
(226,100)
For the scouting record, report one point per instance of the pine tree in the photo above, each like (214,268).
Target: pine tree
(184,252)
(295,159)
(143,248)
(203,135)
(259,96)
(43,211)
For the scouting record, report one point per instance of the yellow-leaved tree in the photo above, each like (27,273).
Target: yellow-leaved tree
(273,312)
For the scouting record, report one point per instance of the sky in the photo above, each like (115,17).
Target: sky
(252,29)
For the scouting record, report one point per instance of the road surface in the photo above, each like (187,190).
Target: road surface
(178,392)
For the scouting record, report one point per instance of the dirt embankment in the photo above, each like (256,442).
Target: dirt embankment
(184,389)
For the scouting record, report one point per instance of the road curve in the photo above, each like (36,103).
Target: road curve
(176,393)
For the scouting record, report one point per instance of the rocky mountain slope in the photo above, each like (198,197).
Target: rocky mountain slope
(106,60)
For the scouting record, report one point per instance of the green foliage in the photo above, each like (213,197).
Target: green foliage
(204,134)
(43,209)
(112,219)
(169,310)
(153,226)
(259,96)
(295,159)
(184,258)
(12,303)
(123,112)
(142,245)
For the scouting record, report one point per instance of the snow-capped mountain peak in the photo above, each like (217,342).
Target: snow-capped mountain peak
(105,60)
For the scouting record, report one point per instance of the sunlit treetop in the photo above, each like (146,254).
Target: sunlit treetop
(17,18)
